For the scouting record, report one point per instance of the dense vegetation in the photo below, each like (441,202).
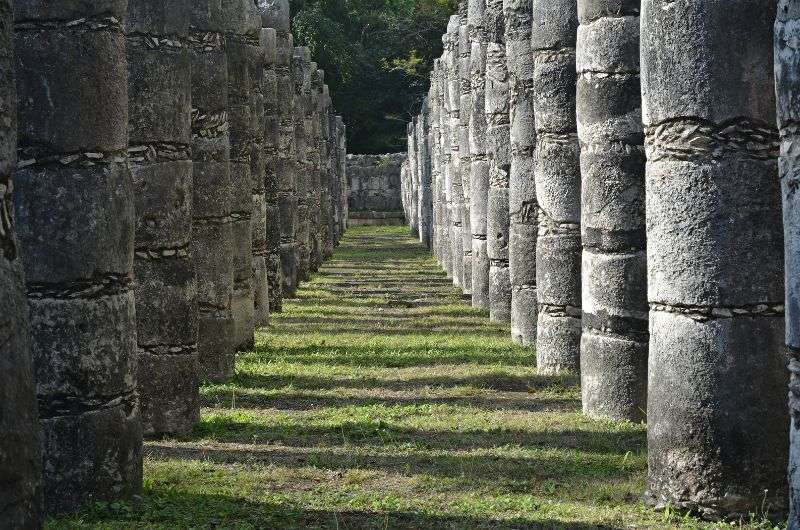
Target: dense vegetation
(377,55)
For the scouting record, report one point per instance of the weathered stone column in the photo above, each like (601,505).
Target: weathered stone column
(436,161)
(499,154)
(272,181)
(614,339)
(328,125)
(21,463)
(464,153)
(717,418)
(558,185)
(242,27)
(160,130)
(523,210)
(73,198)
(479,161)
(258,179)
(315,159)
(423,156)
(275,14)
(455,187)
(412,216)
(341,145)
(787,78)
(301,71)
(212,237)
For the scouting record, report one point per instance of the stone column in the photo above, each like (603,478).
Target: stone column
(160,129)
(479,162)
(614,340)
(21,464)
(436,162)
(258,179)
(558,184)
(523,210)
(242,27)
(325,180)
(499,154)
(73,198)
(787,78)
(272,180)
(717,418)
(341,146)
(301,70)
(423,168)
(464,153)
(445,155)
(315,159)
(212,237)
(410,169)
(455,187)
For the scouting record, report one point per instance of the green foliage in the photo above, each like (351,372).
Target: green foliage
(377,55)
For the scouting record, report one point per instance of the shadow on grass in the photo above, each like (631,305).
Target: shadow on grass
(516,474)
(389,357)
(224,428)
(223,398)
(489,381)
(174,508)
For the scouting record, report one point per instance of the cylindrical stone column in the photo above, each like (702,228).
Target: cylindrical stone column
(73,197)
(499,154)
(314,159)
(787,78)
(436,162)
(327,186)
(412,217)
(479,161)
(614,339)
(464,153)
(272,181)
(717,420)
(301,71)
(160,130)
(423,168)
(523,210)
(212,238)
(242,27)
(453,175)
(21,461)
(258,177)
(558,184)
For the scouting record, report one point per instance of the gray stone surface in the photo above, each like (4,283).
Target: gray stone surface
(717,417)
(374,185)
(787,79)
(424,177)
(498,150)
(159,127)
(73,198)
(479,162)
(315,158)
(523,209)
(20,456)
(464,153)
(242,24)
(301,71)
(558,185)
(614,288)
(212,237)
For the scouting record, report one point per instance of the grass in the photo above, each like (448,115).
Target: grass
(379,399)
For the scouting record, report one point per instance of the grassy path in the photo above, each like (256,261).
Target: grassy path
(379,399)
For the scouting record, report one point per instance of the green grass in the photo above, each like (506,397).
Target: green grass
(380,399)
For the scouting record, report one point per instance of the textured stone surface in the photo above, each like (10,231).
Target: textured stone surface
(301,72)
(498,150)
(212,236)
(614,288)
(717,420)
(159,126)
(787,79)
(558,185)
(75,212)
(523,209)
(479,162)
(20,457)
(374,185)
(242,24)
(464,153)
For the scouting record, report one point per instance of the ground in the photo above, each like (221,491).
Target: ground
(379,399)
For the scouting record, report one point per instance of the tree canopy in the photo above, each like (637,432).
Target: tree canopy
(377,55)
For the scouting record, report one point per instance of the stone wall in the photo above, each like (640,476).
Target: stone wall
(374,188)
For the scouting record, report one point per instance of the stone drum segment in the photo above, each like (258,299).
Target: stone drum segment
(159,126)
(75,212)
